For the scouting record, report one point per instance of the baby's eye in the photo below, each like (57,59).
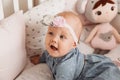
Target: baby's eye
(62,37)
(50,33)
(98,13)
(112,8)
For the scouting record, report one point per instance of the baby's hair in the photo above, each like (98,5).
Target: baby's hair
(102,2)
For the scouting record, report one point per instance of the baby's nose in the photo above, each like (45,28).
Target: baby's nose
(54,40)
(106,12)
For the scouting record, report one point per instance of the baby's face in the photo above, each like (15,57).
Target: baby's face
(59,41)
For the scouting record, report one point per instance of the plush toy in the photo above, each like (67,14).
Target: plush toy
(103,36)
(116,21)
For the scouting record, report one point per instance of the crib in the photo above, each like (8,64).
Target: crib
(16,6)
(20,42)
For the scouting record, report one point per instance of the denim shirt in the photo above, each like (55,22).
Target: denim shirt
(76,66)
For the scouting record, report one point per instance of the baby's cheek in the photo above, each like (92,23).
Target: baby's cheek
(47,42)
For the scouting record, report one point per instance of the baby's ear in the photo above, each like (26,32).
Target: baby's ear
(74,44)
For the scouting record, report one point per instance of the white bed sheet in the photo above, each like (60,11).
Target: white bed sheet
(37,72)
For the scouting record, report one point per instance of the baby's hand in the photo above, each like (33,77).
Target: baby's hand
(35,59)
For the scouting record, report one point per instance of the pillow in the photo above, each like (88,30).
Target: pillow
(38,72)
(71,6)
(84,48)
(36,30)
(12,46)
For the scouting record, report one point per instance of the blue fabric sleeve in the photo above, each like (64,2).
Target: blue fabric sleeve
(65,70)
(101,68)
(43,58)
(109,72)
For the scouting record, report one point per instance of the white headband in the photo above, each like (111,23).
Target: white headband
(59,21)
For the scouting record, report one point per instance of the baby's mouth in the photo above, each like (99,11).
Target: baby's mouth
(53,48)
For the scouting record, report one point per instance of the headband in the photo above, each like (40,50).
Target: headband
(60,21)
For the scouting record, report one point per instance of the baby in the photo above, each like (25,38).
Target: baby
(65,60)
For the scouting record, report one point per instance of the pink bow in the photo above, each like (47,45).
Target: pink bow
(58,21)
